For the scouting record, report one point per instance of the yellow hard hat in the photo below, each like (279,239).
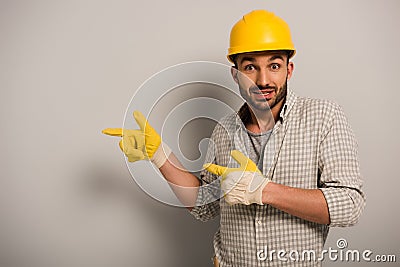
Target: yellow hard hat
(260,30)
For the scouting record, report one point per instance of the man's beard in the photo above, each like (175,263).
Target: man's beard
(263,105)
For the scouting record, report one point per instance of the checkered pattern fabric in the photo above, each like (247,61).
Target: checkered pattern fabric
(311,146)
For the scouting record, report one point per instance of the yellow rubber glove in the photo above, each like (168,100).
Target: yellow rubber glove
(243,185)
(143,144)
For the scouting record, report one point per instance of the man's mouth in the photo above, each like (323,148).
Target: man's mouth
(265,93)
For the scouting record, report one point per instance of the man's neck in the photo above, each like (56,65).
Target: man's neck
(262,121)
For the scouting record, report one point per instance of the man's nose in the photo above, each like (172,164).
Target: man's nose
(262,78)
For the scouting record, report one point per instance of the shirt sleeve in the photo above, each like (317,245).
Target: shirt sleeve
(340,178)
(207,203)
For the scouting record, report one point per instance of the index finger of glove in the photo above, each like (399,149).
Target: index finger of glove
(113,131)
(215,169)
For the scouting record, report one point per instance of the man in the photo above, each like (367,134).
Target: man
(297,173)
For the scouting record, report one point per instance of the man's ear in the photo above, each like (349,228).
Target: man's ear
(290,69)
(234,72)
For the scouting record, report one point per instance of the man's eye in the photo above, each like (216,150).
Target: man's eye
(275,66)
(249,67)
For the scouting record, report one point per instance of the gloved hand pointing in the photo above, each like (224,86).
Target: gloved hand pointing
(243,185)
(141,144)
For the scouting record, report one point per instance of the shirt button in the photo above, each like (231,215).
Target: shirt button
(259,222)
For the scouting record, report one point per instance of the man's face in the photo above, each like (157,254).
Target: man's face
(262,78)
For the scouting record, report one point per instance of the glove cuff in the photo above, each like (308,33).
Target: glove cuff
(256,196)
(161,155)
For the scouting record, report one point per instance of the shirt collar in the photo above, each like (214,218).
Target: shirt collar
(288,105)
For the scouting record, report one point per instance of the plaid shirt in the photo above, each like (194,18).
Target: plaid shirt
(312,146)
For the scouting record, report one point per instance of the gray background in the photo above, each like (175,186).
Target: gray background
(69,68)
